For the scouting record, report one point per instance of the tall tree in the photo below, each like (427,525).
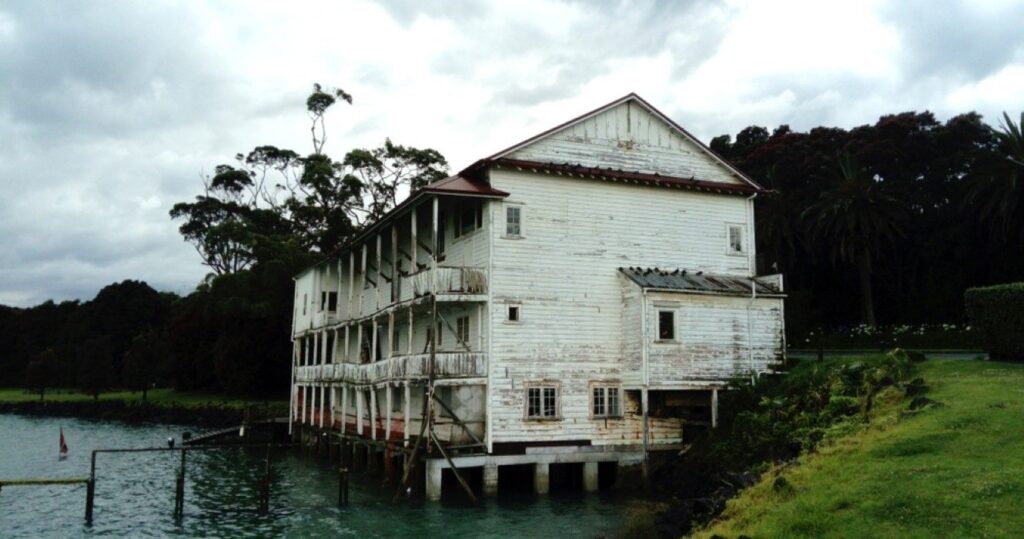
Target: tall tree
(41,372)
(997,192)
(852,221)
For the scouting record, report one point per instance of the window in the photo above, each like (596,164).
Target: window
(439,333)
(605,401)
(513,221)
(470,218)
(513,313)
(323,300)
(736,240)
(396,400)
(332,301)
(444,394)
(666,325)
(462,329)
(542,402)
(395,341)
(305,300)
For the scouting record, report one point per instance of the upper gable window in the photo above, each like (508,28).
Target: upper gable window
(514,221)
(736,240)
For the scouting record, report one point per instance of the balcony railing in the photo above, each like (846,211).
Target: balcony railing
(449,280)
(447,365)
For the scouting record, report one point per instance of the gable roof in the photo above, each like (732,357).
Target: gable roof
(631,97)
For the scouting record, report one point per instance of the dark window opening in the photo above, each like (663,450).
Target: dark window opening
(462,329)
(513,313)
(332,301)
(666,325)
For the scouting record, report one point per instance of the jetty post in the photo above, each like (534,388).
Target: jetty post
(342,487)
(179,494)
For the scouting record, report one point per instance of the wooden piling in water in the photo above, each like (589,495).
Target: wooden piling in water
(179,494)
(342,487)
(264,503)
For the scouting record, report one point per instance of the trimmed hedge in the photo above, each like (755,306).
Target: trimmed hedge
(997,315)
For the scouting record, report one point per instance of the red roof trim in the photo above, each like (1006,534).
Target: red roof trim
(649,107)
(692,184)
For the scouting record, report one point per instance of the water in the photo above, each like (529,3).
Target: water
(135,494)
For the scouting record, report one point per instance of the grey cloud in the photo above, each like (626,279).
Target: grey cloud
(955,38)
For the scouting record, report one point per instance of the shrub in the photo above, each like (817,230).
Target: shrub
(997,314)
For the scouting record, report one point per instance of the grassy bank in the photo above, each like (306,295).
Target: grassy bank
(165,398)
(955,470)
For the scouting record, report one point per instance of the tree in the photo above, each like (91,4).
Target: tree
(142,363)
(851,222)
(41,372)
(95,366)
(997,192)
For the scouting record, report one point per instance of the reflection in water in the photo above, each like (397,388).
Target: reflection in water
(135,493)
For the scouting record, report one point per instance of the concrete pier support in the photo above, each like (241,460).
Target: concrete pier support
(433,488)
(590,476)
(541,477)
(490,479)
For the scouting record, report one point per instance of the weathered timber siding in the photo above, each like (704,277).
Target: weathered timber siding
(628,138)
(564,272)
(712,342)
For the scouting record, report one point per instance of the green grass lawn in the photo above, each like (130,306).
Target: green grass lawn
(159,397)
(951,471)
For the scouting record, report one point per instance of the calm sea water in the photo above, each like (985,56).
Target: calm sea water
(135,494)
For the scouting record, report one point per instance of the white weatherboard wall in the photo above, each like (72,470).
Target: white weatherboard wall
(629,138)
(578,232)
(712,342)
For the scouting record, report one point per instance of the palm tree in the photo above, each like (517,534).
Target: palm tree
(852,220)
(996,194)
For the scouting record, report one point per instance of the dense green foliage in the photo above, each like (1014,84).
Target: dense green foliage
(997,314)
(776,418)
(955,470)
(773,420)
(888,222)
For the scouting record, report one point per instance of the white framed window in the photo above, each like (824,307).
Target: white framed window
(606,400)
(462,329)
(666,325)
(514,313)
(542,401)
(513,221)
(735,234)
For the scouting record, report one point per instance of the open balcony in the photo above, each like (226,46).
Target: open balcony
(447,365)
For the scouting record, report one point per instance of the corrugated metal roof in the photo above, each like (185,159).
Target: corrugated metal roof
(683,280)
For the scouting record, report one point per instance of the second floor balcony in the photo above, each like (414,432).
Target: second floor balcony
(447,365)
(370,298)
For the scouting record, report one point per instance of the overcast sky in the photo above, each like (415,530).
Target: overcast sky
(111,111)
